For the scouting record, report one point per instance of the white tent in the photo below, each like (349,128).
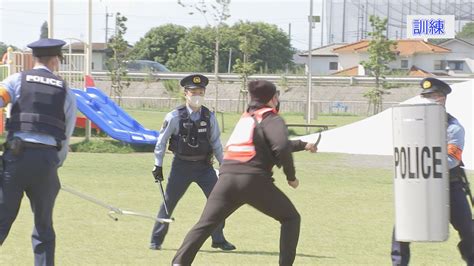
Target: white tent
(374,134)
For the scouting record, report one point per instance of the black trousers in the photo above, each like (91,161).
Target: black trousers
(182,174)
(461,220)
(231,192)
(34,172)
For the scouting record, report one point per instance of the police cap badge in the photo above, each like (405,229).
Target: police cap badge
(430,85)
(194,81)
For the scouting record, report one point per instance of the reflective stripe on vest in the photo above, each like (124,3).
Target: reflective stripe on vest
(240,146)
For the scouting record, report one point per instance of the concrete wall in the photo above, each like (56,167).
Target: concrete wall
(461,52)
(426,61)
(325,98)
(348,60)
(320,65)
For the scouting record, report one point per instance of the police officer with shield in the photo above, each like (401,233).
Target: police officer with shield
(193,135)
(436,91)
(42,120)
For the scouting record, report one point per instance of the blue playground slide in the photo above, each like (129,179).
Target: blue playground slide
(112,119)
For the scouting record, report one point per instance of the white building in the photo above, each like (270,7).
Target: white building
(323,60)
(461,59)
(99,56)
(413,57)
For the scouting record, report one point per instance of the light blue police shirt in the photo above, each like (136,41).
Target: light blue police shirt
(171,127)
(13,85)
(455,136)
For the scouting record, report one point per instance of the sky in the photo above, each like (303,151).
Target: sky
(21,20)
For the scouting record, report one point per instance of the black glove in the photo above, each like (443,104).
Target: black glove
(157,173)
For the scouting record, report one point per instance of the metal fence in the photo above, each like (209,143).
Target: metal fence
(3,72)
(72,69)
(234,105)
(284,78)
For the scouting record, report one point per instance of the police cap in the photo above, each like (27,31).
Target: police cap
(194,81)
(47,47)
(261,91)
(430,85)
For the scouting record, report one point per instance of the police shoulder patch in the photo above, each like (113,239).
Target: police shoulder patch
(165,124)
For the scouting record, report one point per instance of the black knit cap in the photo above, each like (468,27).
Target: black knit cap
(261,91)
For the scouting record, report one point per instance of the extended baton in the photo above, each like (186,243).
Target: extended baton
(112,210)
(318,140)
(164,200)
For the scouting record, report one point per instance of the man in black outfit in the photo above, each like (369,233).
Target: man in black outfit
(258,142)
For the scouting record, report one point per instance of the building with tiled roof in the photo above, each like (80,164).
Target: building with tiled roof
(323,60)
(416,57)
(461,59)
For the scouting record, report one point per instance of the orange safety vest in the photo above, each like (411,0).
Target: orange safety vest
(240,146)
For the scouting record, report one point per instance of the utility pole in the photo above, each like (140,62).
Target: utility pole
(107,15)
(388,19)
(88,59)
(51,19)
(216,68)
(310,48)
(343,20)
(230,60)
(323,17)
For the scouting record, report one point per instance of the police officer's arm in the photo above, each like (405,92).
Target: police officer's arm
(169,127)
(70,115)
(9,89)
(276,134)
(215,139)
(455,144)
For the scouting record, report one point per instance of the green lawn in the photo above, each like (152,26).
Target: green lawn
(345,204)
(345,201)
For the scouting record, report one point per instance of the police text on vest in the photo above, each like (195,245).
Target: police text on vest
(44,80)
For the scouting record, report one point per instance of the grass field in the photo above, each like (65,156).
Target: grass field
(346,204)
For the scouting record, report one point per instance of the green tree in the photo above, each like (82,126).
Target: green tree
(380,54)
(4,47)
(249,45)
(159,43)
(44,30)
(275,42)
(467,31)
(195,52)
(116,64)
(219,12)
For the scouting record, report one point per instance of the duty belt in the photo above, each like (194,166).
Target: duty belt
(453,179)
(16,145)
(192,158)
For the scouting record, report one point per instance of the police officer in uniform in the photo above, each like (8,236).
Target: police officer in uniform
(42,119)
(258,142)
(193,135)
(436,91)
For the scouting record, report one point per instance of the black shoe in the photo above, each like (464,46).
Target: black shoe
(154,246)
(226,245)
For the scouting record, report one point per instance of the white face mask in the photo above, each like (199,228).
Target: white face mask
(426,100)
(195,100)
